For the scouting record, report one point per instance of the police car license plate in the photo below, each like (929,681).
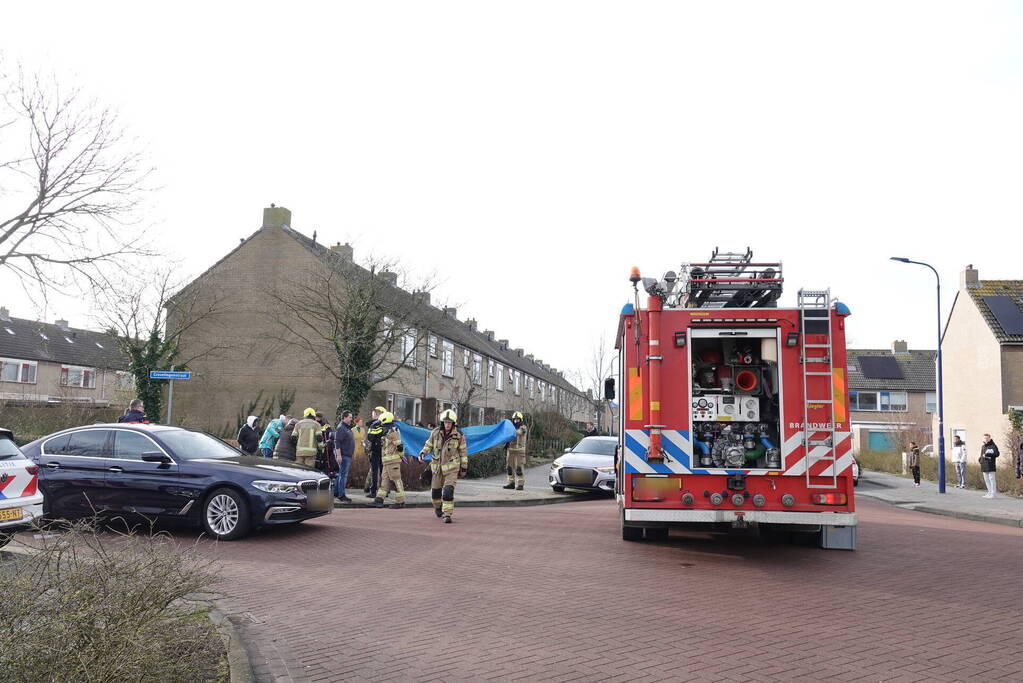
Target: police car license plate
(320,500)
(10,514)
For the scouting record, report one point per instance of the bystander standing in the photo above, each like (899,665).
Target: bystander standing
(285,448)
(248,435)
(959,460)
(344,449)
(914,462)
(988,453)
(270,436)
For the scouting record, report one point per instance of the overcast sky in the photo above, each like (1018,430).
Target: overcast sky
(531,152)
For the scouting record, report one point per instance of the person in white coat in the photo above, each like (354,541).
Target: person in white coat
(959,460)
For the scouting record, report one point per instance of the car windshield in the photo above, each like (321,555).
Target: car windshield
(596,446)
(195,445)
(8,449)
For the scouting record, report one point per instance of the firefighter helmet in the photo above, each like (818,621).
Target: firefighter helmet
(386,418)
(309,412)
(380,409)
(517,416)
(449,416)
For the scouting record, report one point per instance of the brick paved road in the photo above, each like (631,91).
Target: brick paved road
(552,592)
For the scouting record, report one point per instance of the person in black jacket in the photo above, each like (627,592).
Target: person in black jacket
(248,435)
(285,448)
(988,453)
(134,412)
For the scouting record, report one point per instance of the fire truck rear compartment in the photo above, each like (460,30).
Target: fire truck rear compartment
(735,413)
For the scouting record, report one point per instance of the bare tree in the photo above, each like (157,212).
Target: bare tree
(352,322)
(592,375)
(149,321)
(70,184)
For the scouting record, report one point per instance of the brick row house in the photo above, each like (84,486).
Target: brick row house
(54,363)
(437,362)
(891,396)
(982,350)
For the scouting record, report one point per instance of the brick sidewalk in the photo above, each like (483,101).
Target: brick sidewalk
(959,503)
(553,593)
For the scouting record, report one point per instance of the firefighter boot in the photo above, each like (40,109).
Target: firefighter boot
(510,485)
(397,506)
(447,519)
(519,487)
(438,512)
(377,502)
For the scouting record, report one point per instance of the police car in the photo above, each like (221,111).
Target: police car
(20,499)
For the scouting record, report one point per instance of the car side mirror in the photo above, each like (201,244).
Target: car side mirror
(156,456)
(568,449)
(609,388)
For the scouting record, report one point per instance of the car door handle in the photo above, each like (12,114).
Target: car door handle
(53,465)
(115,469)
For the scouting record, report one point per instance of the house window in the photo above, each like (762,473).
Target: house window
(881,401)
(490,367)
(465,358)
(530,387)
(408,348)
(518,383)
(76,376)
(21,371)
(477,369)
(125,380)
(499,377)
(433,346)
(932,402)
(447,366)
(388,323)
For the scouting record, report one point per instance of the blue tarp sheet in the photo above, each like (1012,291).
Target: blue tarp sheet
(476,438)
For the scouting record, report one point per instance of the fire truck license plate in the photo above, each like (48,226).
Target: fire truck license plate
(11,514)
(655,489)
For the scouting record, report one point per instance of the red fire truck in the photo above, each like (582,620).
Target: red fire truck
(734,412)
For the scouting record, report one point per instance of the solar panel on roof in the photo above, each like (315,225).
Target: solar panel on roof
(1006,312)
(880,367)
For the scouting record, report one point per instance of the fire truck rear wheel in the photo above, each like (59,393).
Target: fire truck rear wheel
(632,533)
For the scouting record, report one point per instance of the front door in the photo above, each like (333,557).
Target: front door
(139,487)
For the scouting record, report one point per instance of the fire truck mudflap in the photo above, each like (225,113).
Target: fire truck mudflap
(734,412)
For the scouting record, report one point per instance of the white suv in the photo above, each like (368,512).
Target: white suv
(20,499)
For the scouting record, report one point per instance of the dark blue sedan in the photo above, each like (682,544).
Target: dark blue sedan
(172,474)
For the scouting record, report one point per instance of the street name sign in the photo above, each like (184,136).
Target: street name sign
(170,374)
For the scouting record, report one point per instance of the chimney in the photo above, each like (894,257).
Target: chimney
(471,324)
(423,298)
(504,344)
(529,356)
(62,324)
(5,315)
(276,217)
(389,277)
(521,352)
(969,277)
(900,346)
(451,312)
(345,251)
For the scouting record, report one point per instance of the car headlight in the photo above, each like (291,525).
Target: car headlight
(609,468)
(276,486)
(556,464)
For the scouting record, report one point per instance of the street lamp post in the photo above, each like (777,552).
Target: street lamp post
(941,393)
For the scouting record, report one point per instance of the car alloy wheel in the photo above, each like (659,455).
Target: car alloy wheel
(226,515)
(222,514)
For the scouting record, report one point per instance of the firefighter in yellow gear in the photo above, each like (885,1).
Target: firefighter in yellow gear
(307,436)
(450,461)
(393,451)
(515,454)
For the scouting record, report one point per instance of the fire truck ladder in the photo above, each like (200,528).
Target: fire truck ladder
(815,319)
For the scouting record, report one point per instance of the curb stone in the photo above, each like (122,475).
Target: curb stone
(968,515)
(237,656)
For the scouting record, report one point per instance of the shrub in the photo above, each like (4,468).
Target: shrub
(105,607)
